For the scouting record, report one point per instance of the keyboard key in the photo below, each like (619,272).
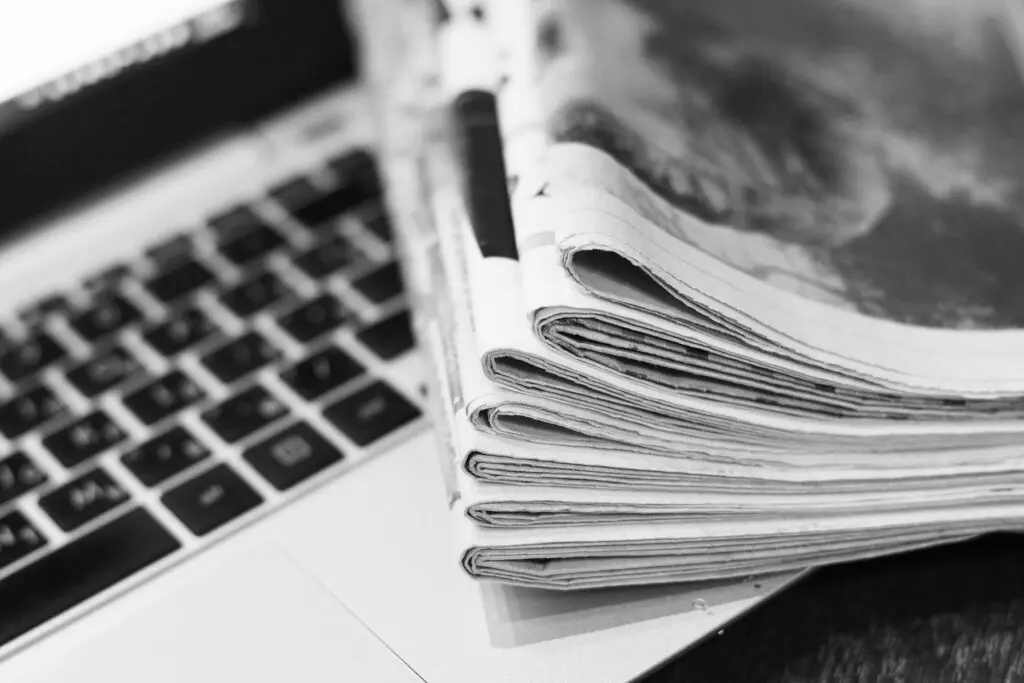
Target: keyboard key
(322,372)
(180,332)
(296,193)
(84,439)
(164,456)
(105,317)
(241,357)
(83,499)
(108,278)
(18,476)
(252,245)
(31,356)
(390,337)
(327,257)
(371,413)
(173,250)
(381,285)
(312,319)
(234,223)
(105,371)
(358,174)
(166,396)
(291,456)
(30,410)
(18,538)
(211,500)
(379,225)
(180,281)
(39,310)
(78,571)
(255,294)
(244,413)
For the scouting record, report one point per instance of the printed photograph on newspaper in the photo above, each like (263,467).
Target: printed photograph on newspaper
(868,154)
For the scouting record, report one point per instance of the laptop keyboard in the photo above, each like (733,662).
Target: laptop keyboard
(217,378)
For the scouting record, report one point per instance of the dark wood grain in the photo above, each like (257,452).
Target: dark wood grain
(948,614)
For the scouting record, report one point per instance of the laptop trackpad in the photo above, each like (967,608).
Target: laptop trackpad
(260,618)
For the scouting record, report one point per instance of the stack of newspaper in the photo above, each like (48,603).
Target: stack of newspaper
(763,307)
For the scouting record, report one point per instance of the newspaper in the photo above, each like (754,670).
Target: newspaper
(652,389)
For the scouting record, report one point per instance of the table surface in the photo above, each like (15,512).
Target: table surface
(953,613)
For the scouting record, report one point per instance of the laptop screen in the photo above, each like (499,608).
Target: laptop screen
(92,90)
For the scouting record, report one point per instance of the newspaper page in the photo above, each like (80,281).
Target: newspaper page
(849,202)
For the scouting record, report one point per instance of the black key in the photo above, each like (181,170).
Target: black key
(322,372)
(244,413)
(371,413)
(83,499)
(255,294)
(5,342)
(327,257)
(181,331)
(252,245)
(358,174)
(390,337)
(166,396)
(164,456)
(319,212)
(108,278)
(291,456)
(211,500)
(234,223)
(28,411)
(296,193)
(180,281)
(173,250)
(382,284)
(312,319)
(18,538)
(18,475)
(105,317)
(78,571)
(31,356)
(379,225)
(84,439)
(44,307)
(105,371)
(241,357)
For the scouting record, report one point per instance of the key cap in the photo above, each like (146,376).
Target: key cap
(30,410)
(105,317)
(241,357)
(371,413)
(31,356)
(320,373)
(163,457)
(295,194)
(180,332)
(358,174)
(312,319)
(183,279)
(234,223)
(292,455)
(107,278)
(173,250)
(166,396)
(327,257)
(39,310)
(85,438)
(83,499)
(255,294)
(379,225)
(390,337)
(244,413)
(211,500)
(105,371)
(380,285)
(18,538)
(18,476)
(76,572)
(252,245)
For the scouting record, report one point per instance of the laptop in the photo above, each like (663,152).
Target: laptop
(214,460)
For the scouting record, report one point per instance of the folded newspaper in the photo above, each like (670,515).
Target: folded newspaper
(763,307)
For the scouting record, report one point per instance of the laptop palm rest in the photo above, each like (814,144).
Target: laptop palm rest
(259,618)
